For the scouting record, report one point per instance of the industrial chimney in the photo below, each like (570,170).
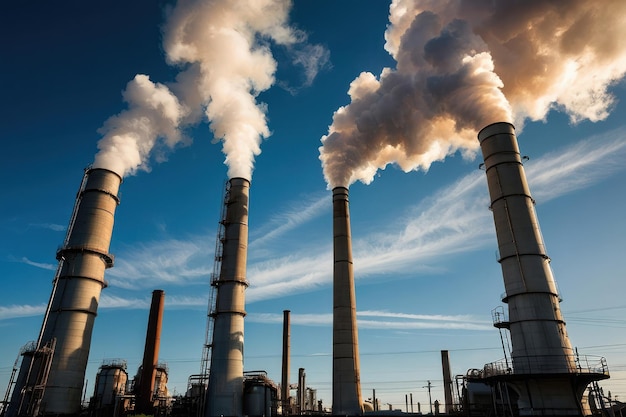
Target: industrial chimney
(284,384)
(447,381)
(544,371)
(346,378)
(225,390)
(144,403)
(52,377)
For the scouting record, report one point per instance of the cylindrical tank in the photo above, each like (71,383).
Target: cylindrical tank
(225,390)
(346,369)
(110,382)
(259,398)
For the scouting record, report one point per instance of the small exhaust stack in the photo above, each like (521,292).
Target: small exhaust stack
(68,323)
(447,381)
(284,386)
(145,403)
(541,350)
(347,398)
(225,390)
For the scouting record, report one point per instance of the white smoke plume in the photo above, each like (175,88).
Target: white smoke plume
(129,137)
(463,64)
(227,44)
(223,50)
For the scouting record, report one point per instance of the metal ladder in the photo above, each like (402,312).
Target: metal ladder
(217,264)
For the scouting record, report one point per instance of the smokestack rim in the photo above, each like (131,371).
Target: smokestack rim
(234,180)
(340,192)
(495,129)
(90,169)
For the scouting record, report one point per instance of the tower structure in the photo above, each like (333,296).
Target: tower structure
(225,387)
(347,398)
(546,374)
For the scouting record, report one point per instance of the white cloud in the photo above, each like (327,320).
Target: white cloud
(49,267)
(15,311)
(453,220)
(157,263)
(403,321)
(51,226)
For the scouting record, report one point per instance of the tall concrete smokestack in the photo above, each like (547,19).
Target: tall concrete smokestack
(284,384)
(346,370)
(225,391)
(72,309)
(144,402)
(541,350)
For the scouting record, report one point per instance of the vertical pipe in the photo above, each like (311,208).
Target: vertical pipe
(539,340)
(447,381)
(347,398)
(301,390)
(225,391)
(144,402)
(284,395)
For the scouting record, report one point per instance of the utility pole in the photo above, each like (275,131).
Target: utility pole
(430,401)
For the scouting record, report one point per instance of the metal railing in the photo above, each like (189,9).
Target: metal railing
(552,364)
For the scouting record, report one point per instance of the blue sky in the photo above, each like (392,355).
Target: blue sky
(424,242)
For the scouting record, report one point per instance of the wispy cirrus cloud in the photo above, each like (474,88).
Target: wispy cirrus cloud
(173,261)
(578,166)
(17,311)
(50,226)
(41,265)
(453,220)
(381,320)
(301,212)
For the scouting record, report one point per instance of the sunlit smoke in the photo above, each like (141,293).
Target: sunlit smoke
(227,45)
(464,64)
(129,137)
(223,50)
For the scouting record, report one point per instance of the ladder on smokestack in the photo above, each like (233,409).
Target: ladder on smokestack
(217,265)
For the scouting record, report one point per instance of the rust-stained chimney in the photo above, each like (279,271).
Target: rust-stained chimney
(144,402)
(52,378)
(284,385)
(544,371)
(346,377)
(225,390)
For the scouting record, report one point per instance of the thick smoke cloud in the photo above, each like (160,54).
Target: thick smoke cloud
(464,64)
(129,137)
(223,50)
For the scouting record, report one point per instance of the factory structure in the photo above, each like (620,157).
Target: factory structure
(544,375)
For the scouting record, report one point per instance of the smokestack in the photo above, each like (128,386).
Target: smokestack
(68,324)
(301,391)
(536,325)
(144,402)
(541,349)
(284,395)
(447,381)
(346,377)
(225,391)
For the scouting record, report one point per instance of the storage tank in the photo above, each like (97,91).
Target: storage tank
(111,381)
(260,395)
